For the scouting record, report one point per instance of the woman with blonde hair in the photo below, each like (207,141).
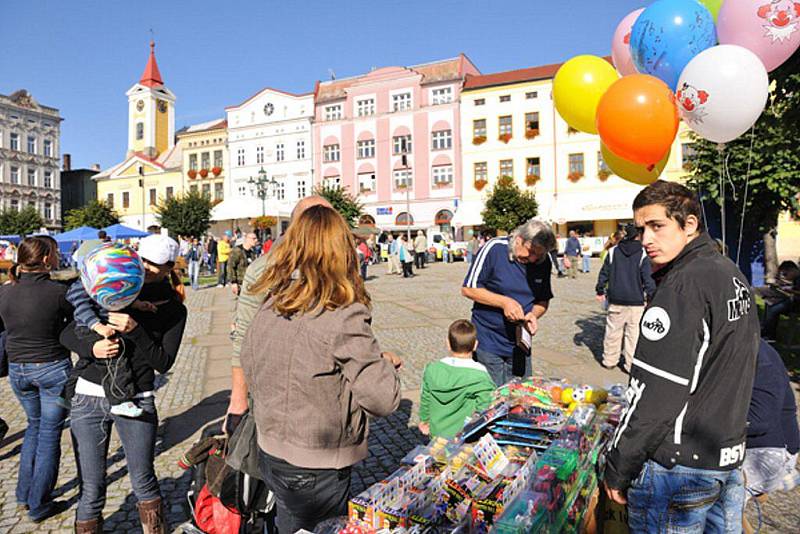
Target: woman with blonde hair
(314,369)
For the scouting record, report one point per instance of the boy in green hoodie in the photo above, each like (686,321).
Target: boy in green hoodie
(455,387)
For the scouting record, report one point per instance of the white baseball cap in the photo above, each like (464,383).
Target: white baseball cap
(158,249)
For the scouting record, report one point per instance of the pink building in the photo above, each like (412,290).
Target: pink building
(393,137)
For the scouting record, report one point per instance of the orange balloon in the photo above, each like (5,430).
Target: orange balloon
(637,118)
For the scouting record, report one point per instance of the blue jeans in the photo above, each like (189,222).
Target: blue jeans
(685,500)
(38,387)
(502,368)
(469,258)
(586,263)
(194,272)
(91,423)
(772,315)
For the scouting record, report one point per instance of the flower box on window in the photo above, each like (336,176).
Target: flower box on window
(574,176)
(478,139)
(603,174)
(530,134)
(365,189)
(506,137)
(192,174)
(480,184)
(216,171)
(571,130)
(531,179)
(203,173)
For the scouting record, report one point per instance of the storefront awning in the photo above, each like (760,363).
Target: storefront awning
(568,207)
(468,214)
(247,207)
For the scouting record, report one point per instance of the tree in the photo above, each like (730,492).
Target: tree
(96,214)
(187,215)
(24,222)
(507,207)
(342,201)
(774,173)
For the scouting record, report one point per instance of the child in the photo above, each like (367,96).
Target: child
(455,387)
(118,379)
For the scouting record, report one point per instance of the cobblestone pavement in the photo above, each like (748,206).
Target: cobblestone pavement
(410,317)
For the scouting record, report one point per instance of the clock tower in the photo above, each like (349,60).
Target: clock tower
(151,112)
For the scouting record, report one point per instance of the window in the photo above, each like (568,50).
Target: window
(333,113)
(401,144)
(301,150)
(31,145)
(507,167)
(279,152)
(688,154)
(505,98)
(280,189)
(32,177)
(205,160)
(601,163)
(505,125)
(218,158)
(404,219)
(403,178)
(126,199)
(401,101)
(330,153)
(301,189)
(532,124)
(110,200)
(366,182)
(14,204)
(207,191)
(334,182)
(48,148)
(532,95)
(13,141)
(48,211)
(479,101)
(218,193)
(479,128)
(240,157)
(193,189)
(480,170)
(259,155)
(152,196)
(366,149)
(365,107)
(139,131)
(192,162)
(48,179)
(443,175)
(442,95)
(14,175)
(441,140)
(576,164)
(533,167)
(170,192)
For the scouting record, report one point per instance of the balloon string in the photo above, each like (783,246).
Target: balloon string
(746,188)
(721,149)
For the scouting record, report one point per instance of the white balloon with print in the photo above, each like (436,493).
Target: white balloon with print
(722,92)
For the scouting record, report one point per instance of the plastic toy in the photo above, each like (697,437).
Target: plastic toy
(112,275)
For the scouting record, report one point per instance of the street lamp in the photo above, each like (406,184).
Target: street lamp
(264,188)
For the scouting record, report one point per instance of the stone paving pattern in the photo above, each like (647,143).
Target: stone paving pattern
(410,317)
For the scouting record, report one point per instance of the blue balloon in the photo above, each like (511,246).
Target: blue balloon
(668,34)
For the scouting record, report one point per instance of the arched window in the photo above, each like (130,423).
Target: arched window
(444,217)
(404,219)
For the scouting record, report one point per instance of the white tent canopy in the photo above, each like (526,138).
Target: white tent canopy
(248,207)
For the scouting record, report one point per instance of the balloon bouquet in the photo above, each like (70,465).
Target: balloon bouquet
(673,62)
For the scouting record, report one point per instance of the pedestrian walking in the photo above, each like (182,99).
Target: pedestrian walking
(572,253)
(624,284)
(33,311)
(364,257)
(223,254)
(392,266)
(586,253)
(153,340)
(406,257)
(420,249)
(241,256)
(211,247)
(193,256)
(472,249)
(312,425)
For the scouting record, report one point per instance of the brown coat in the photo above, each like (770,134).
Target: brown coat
(314,379)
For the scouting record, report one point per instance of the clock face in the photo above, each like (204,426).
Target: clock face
(162,106)
(269,108)
(140,105)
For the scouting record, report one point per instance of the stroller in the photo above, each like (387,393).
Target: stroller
(220,499)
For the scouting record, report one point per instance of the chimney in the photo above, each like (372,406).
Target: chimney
(67,165)
(96,167)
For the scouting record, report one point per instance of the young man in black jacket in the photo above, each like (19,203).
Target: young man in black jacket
(680,444)
(624,280)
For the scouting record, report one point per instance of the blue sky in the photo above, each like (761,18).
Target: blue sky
(80,56)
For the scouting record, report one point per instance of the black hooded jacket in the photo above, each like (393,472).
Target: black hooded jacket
(626,273)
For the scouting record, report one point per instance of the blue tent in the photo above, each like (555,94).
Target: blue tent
(78,234)
(120,231)
(12,238)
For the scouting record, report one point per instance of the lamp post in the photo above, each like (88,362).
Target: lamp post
(263,187)
(404,158)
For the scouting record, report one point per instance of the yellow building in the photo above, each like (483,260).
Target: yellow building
(204,149)
(151,170)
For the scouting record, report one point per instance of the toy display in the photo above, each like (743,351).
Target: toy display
(112,275)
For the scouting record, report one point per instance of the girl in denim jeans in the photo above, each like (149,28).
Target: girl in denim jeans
(34,311)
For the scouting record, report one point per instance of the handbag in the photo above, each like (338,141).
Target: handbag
(243,447)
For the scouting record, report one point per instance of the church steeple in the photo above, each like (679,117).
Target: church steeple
(151,77)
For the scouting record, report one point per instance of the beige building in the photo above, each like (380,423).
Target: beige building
(204,149)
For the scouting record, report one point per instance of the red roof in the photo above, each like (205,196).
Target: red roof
(151,77)
(544,72)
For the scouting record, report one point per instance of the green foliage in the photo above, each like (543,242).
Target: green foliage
(507,207)
(187,215)
(96,214)
(342,201)
(26,221)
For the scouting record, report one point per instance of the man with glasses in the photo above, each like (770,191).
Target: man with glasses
(509,281)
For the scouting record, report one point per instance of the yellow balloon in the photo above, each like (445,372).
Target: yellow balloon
(633,172)
(577,88)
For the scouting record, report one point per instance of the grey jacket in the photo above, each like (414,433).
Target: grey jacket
(314,379)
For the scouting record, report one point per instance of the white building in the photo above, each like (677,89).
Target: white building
(270,130)
(30,136)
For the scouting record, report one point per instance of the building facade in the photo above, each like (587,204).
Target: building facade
(204,151)
(510,128)
(392,137)
(30,142)
(77,186)
(151,169)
